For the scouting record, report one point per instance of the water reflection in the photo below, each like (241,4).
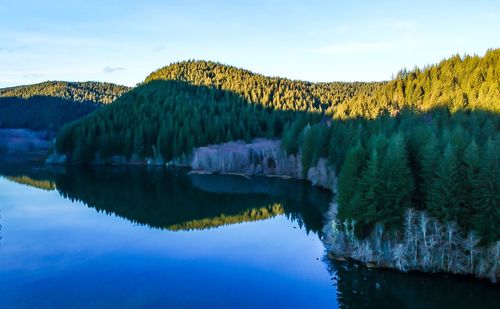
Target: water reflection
(175,199)
(29,173)
(280,262)
(359,286)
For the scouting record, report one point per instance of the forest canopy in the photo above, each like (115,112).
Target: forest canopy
(429,139)
(468,82)
(49,105)
(274,92)
(90,92)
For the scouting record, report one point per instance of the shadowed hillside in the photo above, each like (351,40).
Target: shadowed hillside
(169,119)
(49,105)
(41,112)
(274,92)
(95,92)
(442,160)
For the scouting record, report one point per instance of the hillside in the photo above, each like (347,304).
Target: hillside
(95,92)
(274,92)
(168,119)
(444,161)
(41,113)
(49,105)
(468,82)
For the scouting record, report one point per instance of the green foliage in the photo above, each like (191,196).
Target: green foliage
(41,113)
(397,182)
(348,182)
(370,201)
(469,82)
(427,140)
(442,162)
(95,92)
(49,105)
(486,191)
(174,117)
(274,92)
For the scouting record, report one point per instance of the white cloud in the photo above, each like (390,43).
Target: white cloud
(110,69)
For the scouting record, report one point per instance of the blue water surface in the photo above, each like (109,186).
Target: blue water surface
(137,237)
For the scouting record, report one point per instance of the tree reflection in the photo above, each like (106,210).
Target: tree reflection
(175,200)
(359,286)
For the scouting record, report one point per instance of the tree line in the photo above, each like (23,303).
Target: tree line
(47,106)
(468,82)
(273,92)
(94,92)
(428,139)
(444,163)
(169,119)
(41,113)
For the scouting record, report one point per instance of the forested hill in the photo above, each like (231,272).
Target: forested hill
(224,103)
(168,118)
(49,105)
(397,151)
(95,92)
(469,82)
(277,93)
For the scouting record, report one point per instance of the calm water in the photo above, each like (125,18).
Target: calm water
(138,237)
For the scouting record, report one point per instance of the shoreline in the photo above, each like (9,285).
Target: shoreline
(270,161)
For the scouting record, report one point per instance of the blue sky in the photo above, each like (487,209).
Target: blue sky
(122,41)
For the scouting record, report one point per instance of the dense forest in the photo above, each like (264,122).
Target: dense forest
(49,105)
(169,119)
(428,139)
(447,164)
(468,82)
(95,92)
(41,113)
(274,92)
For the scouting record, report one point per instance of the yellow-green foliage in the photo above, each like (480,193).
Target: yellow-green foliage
(39,184)
(277,93)
(469,82)
(96,92)
(255,214)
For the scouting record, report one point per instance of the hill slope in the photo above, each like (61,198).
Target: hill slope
(277,93)
(95,92)
(168,118)
(49,105)
(399,153)
(469,82)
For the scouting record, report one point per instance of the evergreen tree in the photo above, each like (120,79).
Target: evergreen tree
(370,190)
(348,181)
(445,196)
(397,180)
(486,193)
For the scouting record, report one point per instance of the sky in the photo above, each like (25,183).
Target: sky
(122,41)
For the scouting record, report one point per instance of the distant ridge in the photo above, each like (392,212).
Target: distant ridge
(49,105)
(95,92)
(275,92)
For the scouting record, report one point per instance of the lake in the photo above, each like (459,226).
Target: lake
(115,237)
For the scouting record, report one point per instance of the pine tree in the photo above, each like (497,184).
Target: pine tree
(370,190)
(397,180)
(138,147)
(349,176)
(487,193)
(308,147)
(428,159)
(445,196)
(471,161)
